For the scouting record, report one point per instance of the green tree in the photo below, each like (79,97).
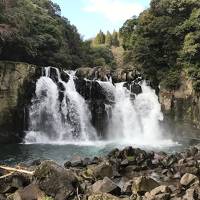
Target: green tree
(100,38)
(164,39)
(108,39)
(115,39)
(35,32)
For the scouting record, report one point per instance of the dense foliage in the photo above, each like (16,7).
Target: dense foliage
(106,39)
(33,31)
(164,39)
(97,55)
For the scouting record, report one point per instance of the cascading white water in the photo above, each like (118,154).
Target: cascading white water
(59,114)
(136,121)
(52,121)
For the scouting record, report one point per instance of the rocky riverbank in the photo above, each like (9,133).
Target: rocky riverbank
(128,174)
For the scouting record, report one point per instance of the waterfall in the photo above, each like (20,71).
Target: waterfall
(136,120)
(58,112)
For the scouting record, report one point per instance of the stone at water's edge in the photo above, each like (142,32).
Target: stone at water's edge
(55,181)
(16,90)
(51,181)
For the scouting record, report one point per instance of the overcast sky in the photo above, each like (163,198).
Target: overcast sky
(89,16)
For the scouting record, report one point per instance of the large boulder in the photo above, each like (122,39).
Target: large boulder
(55,181)
(31,192)
(104,169)
(143,184)
(106,186)
(189,179)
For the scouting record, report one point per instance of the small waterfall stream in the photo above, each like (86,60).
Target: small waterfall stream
(136,119)
(52,120)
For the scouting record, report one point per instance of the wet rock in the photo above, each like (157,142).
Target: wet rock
(53,74)
(55,181)
(136,88)
(86,161)
(36,162)
(64,76)
(76,161)
(31,192)
(143,184)
(189,179)
(103,197)
(106,186)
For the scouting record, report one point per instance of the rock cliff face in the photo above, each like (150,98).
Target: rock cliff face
(182,106)
(103,74)
(16,90)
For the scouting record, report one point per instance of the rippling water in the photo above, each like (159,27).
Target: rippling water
(26,153)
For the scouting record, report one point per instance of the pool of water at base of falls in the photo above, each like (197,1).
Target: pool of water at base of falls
(27,153)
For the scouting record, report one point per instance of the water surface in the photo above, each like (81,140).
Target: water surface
(26,153)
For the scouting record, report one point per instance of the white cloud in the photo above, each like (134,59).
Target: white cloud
(114,10)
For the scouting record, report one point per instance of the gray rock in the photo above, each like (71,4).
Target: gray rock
(106,186)
(55,181)
(143,184)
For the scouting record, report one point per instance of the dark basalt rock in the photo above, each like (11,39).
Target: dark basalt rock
(98,101)
(112,177)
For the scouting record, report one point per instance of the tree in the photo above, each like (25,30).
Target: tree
(35,32)
(100,38)
(115,39)
(108,40)
(164,39)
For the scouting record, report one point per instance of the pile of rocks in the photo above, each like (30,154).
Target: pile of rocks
(128,174)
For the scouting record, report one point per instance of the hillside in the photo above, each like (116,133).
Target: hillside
(33,31)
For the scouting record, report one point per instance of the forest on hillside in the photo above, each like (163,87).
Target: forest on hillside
(34,31)
(164,40)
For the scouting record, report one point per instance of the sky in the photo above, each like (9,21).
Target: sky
(90,16)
